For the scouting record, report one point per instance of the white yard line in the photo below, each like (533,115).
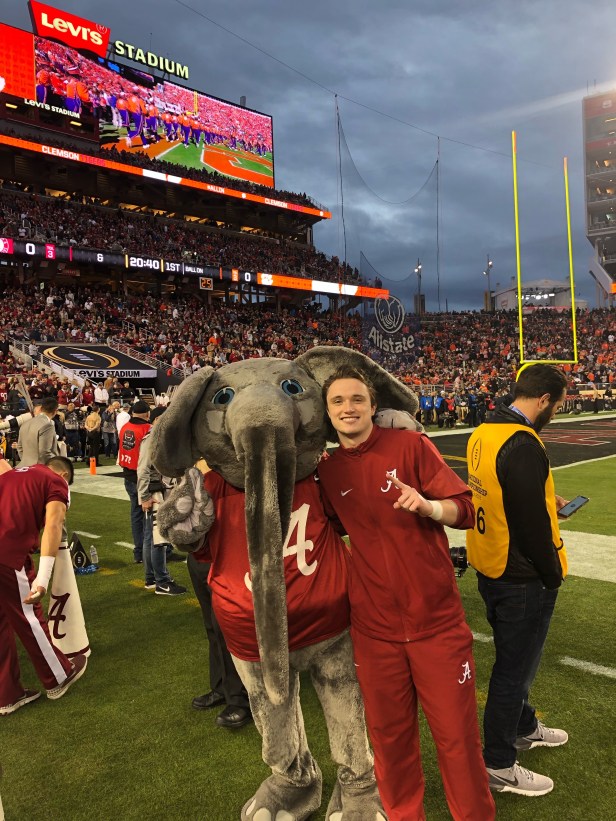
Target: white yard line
(584,462)
(589,667)
(87,535)
(125,544)
(567,661)
(590,555)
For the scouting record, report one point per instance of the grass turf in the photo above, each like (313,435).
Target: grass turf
(595,480)
(125,744)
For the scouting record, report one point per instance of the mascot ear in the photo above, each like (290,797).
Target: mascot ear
(398,419)
(321,362)
(172,439)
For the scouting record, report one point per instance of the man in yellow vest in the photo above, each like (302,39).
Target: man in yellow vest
(520,560)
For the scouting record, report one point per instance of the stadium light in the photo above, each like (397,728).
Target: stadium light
(418,272)
(486,273)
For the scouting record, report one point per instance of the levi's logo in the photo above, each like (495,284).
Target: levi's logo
(74,31)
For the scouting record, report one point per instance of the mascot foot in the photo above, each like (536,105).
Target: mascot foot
(279,800)
(355,804)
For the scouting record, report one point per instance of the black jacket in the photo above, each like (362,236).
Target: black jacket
(522,467)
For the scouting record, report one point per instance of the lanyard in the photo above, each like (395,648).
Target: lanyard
(519,412)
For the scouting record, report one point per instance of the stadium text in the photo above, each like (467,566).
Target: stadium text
(56,108)
(60,152)
(405,343)
(67,26)
(148,58)
(76,32)
(119,374)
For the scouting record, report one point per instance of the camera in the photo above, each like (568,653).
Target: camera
(459,560)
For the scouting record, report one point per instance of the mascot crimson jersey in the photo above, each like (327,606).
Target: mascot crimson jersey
(315,563)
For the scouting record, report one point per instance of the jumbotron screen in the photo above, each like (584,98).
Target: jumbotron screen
(138,112)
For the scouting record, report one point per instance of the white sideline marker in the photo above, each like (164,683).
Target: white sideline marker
(125,544)
(589,667)
(87,535)
(585,666)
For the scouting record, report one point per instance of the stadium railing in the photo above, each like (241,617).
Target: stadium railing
(20,350)
(150,360)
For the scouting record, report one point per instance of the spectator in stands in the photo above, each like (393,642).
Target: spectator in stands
(101,396)
(92,426)
(71,426)
(109,429)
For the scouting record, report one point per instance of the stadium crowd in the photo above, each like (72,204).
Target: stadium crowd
(451,352)
(64,222)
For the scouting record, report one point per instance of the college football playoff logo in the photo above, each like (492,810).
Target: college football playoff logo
(389,312)
(476,455)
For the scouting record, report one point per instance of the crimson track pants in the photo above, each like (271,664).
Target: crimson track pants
(439,672)
(28,622)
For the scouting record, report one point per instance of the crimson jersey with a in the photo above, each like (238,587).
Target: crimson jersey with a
(315,563)
(24,493)
(401,582)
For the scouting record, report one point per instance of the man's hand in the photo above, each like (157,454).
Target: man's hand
(34,597)
(560,502)
(410,499)
(147,505)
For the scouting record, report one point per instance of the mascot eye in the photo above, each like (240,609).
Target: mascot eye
(223,396)
(291,387)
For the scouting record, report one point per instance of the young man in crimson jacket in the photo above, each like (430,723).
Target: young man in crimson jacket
(392,493)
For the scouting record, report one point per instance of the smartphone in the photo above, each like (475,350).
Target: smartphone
(572,506)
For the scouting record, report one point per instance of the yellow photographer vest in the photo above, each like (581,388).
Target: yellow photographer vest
(488,542)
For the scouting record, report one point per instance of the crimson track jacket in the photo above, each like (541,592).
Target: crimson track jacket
(402,585)
(24,494)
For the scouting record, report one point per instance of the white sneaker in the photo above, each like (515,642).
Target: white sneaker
(519,780)
(542,737)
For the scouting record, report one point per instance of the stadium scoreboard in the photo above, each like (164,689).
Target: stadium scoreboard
(67,67)
(25,249)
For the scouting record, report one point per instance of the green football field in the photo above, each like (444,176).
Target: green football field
(125,744)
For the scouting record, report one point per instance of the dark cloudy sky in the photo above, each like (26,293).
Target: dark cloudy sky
(468,71)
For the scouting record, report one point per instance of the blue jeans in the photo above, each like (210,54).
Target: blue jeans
(154,555)
(110,443)
(136,519)
(73,444)
(519,615)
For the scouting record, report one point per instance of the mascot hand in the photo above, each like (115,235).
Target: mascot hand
(398,419)
(187,514)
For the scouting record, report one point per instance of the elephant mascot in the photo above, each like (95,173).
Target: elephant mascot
(279,570)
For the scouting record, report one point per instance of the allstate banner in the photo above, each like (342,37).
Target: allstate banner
(390,333)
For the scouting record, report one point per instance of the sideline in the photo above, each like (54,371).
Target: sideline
(590,555)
